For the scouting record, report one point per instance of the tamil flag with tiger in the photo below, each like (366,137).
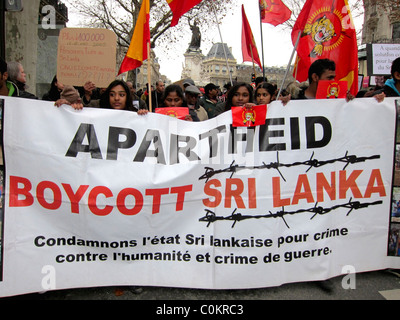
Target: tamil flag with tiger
(325,30)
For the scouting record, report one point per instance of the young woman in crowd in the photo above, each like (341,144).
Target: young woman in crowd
(240,95)
(117,96)
(265,93)
(173,97)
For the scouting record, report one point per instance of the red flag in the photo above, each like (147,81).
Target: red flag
(274,12)
(176,112)
(137,51)
(327,31)
(249,49)
(249,117)
(180,7)
(331,89)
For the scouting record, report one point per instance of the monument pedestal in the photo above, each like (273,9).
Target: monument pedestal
(192,67)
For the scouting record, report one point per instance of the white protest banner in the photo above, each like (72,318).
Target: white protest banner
(105,197)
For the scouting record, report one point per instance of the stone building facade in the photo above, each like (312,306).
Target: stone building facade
(381,22)
(214,68)
(381,25)
(139,76)
(32,40)
(46,67)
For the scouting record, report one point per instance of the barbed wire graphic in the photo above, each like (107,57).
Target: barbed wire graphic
(310,163)
(211,217)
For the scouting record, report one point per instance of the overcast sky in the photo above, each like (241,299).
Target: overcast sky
(277,40)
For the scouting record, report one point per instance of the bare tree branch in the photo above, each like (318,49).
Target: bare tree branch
(120,16)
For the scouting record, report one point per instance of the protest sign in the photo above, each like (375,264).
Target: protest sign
(86,54)
(381,56)
(105,197)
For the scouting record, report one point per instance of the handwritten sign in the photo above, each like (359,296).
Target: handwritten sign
(86,55)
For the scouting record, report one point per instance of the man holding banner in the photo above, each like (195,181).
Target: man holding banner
(323,69)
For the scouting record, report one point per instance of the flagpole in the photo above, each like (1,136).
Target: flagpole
(220,34)
(262,46)
(297,66)
(288,67)
(252,59)
(149,75)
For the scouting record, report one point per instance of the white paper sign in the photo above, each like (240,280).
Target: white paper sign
(383,56)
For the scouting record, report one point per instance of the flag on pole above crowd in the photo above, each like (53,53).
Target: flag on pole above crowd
(249,48)
(138,51)
(274,12)
(179,8)
(325,30)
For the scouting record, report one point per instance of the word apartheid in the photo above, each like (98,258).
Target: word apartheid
(314,132)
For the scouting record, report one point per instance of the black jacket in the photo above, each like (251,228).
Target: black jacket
(22,93)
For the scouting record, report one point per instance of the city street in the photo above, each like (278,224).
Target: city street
(377,285)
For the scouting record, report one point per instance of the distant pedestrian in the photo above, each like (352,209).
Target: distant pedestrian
(17,75)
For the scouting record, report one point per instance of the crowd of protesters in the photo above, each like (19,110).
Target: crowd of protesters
(203,102)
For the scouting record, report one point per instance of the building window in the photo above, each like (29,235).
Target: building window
(396,30)
(216,69)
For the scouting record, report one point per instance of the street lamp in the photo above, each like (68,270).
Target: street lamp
(13,5)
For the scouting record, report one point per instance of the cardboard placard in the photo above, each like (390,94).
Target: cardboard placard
(86,54)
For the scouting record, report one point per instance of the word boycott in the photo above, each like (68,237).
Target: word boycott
(21,196)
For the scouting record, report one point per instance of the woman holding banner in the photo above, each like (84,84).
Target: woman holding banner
(117,96)
(174,97)
(265,93)
(240,95)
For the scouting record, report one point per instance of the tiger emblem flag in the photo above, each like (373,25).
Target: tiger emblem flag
(249,116)
(325,30)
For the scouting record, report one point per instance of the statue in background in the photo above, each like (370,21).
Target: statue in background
(196,37)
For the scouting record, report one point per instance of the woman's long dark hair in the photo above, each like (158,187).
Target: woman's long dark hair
(53,94)
(233,91)
(173,88)
(105,97)
(267,86)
